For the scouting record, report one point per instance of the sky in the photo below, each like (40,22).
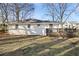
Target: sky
(40,13)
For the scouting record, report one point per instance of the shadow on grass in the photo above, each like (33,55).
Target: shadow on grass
(34,50)
(14,40)
(16,37)
(73,52)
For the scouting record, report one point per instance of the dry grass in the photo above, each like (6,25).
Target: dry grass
(39,45)
(55,34)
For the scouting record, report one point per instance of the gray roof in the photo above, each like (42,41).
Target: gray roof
(34,21)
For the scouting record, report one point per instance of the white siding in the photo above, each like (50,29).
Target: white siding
(33,30)
(24,30)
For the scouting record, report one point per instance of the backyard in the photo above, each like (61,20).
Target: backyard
(37,46)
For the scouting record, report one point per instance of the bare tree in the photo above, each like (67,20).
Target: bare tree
(18,11)
(61,12)
(21,11)
(4,12)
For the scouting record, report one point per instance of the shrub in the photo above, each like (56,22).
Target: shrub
(77,34)
(3,28)
(54,34)
(70,32)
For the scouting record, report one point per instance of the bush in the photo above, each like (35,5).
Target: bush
(3,28)
(77,34)
(54,34)
(70,33)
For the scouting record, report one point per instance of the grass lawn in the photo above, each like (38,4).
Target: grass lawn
(38,46)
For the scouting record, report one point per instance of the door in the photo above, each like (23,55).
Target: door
(48,31)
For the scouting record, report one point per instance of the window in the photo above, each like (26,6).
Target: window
(38,24)
(28,25)
(16,26)
(50,25)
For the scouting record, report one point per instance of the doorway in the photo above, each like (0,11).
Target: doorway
(48,31)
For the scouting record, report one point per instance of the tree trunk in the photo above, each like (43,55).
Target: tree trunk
(17,14)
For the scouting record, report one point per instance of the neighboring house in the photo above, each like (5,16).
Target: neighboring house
(71,24)
(33,27)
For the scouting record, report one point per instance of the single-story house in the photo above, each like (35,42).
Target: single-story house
(71,24)
(32,27)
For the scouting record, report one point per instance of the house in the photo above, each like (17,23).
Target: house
(71,24)
(32,27)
